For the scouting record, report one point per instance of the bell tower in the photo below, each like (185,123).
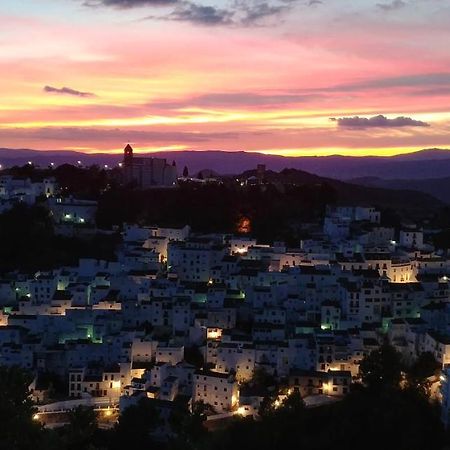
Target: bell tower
(128,155)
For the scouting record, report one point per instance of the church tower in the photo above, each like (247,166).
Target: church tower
(128,156)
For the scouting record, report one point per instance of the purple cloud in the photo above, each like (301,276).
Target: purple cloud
(200,14)
(67,91)
(379,121)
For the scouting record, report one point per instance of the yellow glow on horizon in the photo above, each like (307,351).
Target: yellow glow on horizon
(286,152)
(192,115)
(342,151)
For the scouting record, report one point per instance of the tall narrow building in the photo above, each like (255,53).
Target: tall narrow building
(147,172)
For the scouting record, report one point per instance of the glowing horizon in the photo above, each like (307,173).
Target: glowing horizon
(298,153)
(297,78)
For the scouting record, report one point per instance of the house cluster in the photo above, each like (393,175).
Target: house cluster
(180,315)
(15,190)
(71,216)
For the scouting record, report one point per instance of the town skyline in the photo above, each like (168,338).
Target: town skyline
(224,223)
(220,75)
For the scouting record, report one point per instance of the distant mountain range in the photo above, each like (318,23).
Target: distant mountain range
(422,165)
(437,187)
(404,198)
(410,190)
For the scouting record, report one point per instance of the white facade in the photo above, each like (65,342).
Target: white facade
(412,239)
(216,389)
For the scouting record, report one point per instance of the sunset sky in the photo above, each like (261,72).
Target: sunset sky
(290,77)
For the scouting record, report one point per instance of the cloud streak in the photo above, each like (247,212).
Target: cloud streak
(410,81)
(239,13)
(236,99)
(392,6)
(83,134)
(128,4)
(67,91)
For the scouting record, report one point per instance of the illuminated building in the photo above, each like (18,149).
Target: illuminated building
(334,383)
(220,390)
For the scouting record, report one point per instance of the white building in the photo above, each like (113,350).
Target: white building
(193,260)
(411,239)
(24,189)
(219,390)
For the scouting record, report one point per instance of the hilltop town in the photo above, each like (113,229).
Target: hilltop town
(218,318)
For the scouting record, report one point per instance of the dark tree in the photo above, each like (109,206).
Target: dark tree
(135,425)
(395,418)
(28,242)
(381,368)
(424,367)
(185,172)
(79,434)
(262,379)
(293,405)
(188,425)
(18,429)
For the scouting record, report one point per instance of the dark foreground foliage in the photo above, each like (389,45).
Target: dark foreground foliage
(28,242)
(391,410)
